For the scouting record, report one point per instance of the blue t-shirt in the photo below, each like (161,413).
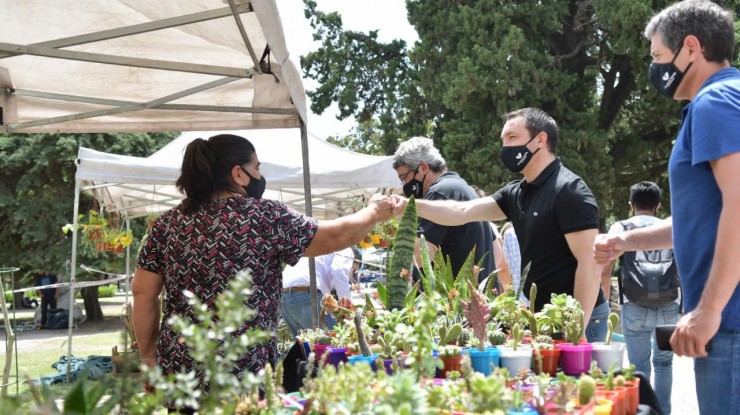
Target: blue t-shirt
(711,122)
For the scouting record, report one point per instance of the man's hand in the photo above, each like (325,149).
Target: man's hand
(399,204)
(693,331)
(608,247)
(382,205)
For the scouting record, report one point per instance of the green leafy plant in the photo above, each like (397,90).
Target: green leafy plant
(553,316)
(529,313)
(398,274)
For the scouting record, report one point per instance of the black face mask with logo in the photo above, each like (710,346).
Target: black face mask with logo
(414,187)
(516,158)
(256,187)
(666,77)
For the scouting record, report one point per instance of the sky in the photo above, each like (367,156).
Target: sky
(387,16)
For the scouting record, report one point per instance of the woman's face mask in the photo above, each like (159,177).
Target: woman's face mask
(256,187)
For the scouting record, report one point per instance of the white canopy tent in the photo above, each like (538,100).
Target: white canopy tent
(147,65)
(341,180)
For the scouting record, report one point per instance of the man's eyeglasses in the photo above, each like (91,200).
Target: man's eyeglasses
(403,177)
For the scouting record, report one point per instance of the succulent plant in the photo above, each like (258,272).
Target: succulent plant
(612,324)
(450,351)
(323,339)
(449,335)
(477,312)
(517,334)
(496,337)
(364,349)
(586,389)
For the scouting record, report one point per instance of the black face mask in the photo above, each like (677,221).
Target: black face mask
(666,77)
(415,187)
(516,158)
(256,187)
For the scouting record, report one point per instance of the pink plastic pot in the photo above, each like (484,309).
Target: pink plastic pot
(575,359)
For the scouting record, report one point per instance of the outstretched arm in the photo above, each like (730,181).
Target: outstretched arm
(453,212)
(608,247)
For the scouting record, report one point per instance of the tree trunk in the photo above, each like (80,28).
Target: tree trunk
(92,304)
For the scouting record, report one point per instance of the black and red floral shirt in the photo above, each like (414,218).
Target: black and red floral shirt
(202,251)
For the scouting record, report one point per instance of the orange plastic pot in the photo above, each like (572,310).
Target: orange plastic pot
(633,395)
(546,361)
(450,364)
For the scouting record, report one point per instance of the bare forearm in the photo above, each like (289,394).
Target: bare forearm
(587,288)
(658,236)
(606,279)
(146,316)
(724,274)
(442,212)
(334,235)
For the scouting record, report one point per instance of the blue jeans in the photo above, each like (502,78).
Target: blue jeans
(718,375)
(296,310)
(597,325)
(638,327)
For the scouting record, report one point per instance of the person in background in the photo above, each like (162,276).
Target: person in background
(642,308)
(554,213)
(222,227)
(423,174)
(48,296)
(513,258)
(692,45)
(333,271)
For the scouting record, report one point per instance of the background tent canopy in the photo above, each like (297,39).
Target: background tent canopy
(341,180)
(145,65)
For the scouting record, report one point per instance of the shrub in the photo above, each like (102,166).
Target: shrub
(105,291)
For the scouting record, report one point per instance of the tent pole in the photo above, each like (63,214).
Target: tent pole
(72,271)
(309,212)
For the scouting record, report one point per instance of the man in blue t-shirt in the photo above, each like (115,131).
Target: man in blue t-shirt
(692,45)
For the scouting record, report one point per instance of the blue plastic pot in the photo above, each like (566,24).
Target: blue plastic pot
(482,361)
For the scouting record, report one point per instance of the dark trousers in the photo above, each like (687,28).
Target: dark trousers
(45,306)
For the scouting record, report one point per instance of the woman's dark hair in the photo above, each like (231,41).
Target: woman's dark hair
(206,167)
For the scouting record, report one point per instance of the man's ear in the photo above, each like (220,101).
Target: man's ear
(694,47)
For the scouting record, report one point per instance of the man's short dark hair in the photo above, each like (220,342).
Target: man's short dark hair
(537,121)
(645,196)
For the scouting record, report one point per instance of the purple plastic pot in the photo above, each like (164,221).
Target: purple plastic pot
(337,355)
(575,360)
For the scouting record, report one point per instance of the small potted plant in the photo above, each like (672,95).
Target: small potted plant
(546,356)
(365,355)
(451,357)
(389,352)
(575,356)
(476,312)
(516,358)
(607,353)
(321,347)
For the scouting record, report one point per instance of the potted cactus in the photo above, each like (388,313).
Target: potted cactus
(575,356)
(516,358)
(451,357)
(546,356)
(607,353)
(365,355)
(476,312)
(449,334)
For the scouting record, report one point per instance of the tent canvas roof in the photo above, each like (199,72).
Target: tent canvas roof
(145,65)
(341,180)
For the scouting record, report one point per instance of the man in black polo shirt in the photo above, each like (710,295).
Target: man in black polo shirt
(554,214)
(424,174)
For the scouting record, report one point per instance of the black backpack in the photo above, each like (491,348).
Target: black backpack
(57,318)
(648,278)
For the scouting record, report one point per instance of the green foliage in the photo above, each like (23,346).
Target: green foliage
(553,316)
(341,391)
(37,177)
(107,291)
(398,274)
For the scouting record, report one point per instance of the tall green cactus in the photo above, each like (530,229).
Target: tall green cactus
(398,274)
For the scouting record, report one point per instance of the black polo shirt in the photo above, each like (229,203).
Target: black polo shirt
(456,242)
(556,203)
